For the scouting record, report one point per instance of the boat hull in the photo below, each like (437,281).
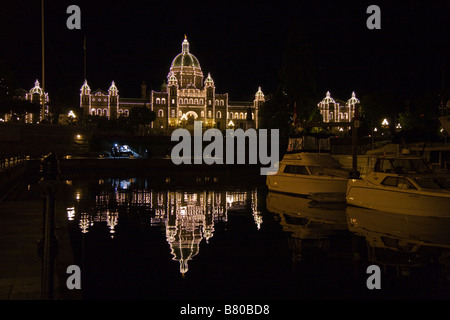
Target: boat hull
(306,185)
(363,194)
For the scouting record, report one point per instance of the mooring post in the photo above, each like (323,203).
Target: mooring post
(48,245)
(355,127)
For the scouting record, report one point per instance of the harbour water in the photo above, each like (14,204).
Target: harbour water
(162,238)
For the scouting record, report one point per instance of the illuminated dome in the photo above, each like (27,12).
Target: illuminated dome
(186,68)
(36,89)
(185,58)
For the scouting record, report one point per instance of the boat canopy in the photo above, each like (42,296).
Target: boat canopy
(309,142)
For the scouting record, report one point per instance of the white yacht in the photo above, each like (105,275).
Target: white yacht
(402,184)
(307,169)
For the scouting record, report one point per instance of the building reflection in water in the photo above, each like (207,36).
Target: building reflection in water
(188,216)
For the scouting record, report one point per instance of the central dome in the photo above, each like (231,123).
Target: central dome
(185,58)
(186,69)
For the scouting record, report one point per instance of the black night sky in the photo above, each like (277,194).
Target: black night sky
(239,42)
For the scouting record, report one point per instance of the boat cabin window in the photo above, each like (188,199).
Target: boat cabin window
(315,170)
(293,169)
(398,182)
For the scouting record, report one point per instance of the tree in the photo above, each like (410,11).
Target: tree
(422,116)
(276,113)
(375,106)
(141,116)
(298,74)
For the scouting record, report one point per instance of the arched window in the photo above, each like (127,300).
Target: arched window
(173,113)
(209,102)
(217,102)
(202,114)
(191,101)
(120,111)
(241,115)
(219,114)
(105,112)
(93,112)
(236,115)
(221,102)
(186,100)
(180,101)
(99,111)
(163,100)
(160,113)
(180,113)
(209,113)
(126,112)
(201,101)
(158,101)
(230,115)
(253,116)
(196,101)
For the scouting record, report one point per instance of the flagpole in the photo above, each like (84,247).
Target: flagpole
(43,62)
(84,47)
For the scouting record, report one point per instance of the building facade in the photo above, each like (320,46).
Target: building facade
(335,110)
(187,96)
(35,95)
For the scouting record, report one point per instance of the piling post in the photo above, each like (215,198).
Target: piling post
(48,245)
(355,127)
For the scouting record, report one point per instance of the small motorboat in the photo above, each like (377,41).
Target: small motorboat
(308,169)
(402,184)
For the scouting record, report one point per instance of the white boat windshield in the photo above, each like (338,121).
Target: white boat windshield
(402,166)
(295,169)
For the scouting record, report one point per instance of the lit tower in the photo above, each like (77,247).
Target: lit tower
(351,103)
(172,89)
(85,98)
(37,94)
(259,101)
(210,93)
(328,114)
(113,103)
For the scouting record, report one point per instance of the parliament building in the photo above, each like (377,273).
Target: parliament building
(187,96)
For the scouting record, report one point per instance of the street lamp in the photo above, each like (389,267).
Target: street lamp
(71,114)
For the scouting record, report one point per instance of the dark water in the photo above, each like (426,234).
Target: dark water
(138,238)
